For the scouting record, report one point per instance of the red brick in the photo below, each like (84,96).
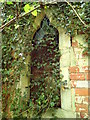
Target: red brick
(87,76)
(86,68)
(82,92)
(85,54)
(77,76)
(73,69)
(81,108)
(75,44)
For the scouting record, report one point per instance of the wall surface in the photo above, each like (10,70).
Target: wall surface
(75,68)
(79,76)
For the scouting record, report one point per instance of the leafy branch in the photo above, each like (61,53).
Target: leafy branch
(24,14)
(20,16)
(30,108)
(76,13)
(15,18)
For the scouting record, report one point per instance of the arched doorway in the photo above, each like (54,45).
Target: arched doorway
(45,67)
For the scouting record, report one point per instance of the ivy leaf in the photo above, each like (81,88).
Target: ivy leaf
(11,16)
(16,26)
(45,7)
(4,92)
(39,102)
(27,8)
(31,104)
(52,104)
(34,13)
(9,3)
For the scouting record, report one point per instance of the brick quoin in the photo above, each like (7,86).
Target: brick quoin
(81,108)
(77,76)
(73,69)
(82,91)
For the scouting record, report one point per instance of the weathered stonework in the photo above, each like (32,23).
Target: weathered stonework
(25,79)
(75,68)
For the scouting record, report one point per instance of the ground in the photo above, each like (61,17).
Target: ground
(58,113)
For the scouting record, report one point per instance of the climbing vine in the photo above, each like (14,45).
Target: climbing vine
(17,29)
(45,82)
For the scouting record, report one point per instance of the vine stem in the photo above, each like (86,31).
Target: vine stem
(30,108)
(41,109)
(76,13)
(23,112)
(19,16)
(22,15)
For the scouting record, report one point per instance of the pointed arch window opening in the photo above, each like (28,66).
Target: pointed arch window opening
(41,54)
(45,29)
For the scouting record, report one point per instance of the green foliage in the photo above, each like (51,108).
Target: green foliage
(19,103)
(15,46)
(45,89)
(27,8)
(17,43)
(69,20)
(9,3)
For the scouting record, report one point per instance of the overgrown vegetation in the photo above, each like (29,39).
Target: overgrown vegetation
(17,44)
(45,81)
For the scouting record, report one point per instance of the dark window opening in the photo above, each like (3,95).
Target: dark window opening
(45,67)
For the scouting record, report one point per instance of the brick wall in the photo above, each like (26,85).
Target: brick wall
(80,80)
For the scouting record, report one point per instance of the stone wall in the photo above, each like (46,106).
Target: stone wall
(75,68)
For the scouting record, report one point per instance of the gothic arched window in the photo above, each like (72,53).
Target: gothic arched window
(45,60)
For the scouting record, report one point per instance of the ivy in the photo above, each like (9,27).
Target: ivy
(17,43)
